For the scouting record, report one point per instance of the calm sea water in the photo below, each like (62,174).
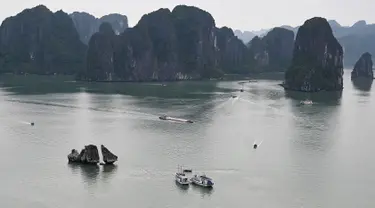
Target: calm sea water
(309,156)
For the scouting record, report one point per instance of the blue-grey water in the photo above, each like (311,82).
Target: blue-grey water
(309,156)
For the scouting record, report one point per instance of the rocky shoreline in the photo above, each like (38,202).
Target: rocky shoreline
(310,91)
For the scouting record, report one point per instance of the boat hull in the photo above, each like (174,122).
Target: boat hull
(167,118)
(202,184)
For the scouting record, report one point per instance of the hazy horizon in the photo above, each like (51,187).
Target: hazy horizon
(235,14)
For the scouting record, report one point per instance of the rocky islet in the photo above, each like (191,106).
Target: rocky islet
(317,63)
(363,67)
(90,155)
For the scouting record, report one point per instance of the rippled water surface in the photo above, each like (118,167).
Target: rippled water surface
(309,156)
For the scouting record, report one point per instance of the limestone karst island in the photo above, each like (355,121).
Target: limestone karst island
(171,45)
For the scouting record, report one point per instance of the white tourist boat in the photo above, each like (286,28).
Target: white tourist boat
(202,180)
(306,102)
(181,178)
(168,118)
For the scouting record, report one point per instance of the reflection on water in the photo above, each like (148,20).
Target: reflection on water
(182,188)
(108,172)
(204,191)
(89,173)
(306,155)
(363,84)
(317,121)
(109,169)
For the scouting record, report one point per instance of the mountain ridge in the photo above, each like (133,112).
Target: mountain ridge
(355,40)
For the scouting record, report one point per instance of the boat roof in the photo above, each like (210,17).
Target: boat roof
(205,177)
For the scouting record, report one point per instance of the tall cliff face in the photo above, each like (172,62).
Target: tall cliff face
(232,55)
(195,30)
(149,50)
(274,51)
(317,59)
(100,54)
(86,24)
(363,67)
(164,45)
(39,41)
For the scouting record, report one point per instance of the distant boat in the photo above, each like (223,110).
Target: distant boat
(32,124)
(241,90)
(234,96)
(168,118)
(187,170)
(163,117)
(306,102)
(181,178)
(202,180)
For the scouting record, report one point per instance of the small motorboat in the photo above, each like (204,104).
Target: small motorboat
(187,170)
(306,102)
(181,178)
(202,180)
(255,146)
(168,118)
(241,90)
(234,96)
(32,124)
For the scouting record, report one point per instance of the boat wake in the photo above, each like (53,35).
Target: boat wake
(24,122)
(234,100)
(260,143)
(223,103)
(131,113)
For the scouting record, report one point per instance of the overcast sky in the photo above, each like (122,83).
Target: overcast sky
(237,14)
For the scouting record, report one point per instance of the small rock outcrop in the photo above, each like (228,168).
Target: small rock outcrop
(74,156)
(317,63)
(363,67)
(108,156)
(88,155)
